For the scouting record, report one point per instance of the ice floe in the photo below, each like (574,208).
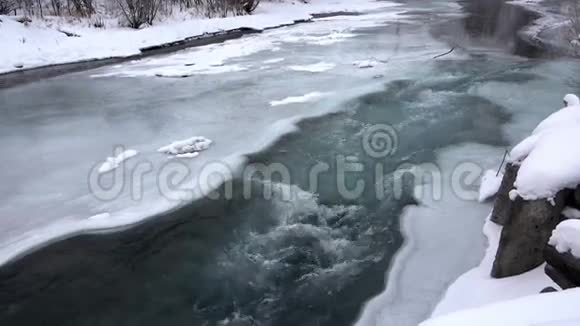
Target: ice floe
(316,67)
(113,162)
(187,148)
(274,60)
(313,96)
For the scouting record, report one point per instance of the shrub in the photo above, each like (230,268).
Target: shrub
(139,12)
(7,7)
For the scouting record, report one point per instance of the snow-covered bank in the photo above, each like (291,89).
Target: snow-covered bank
(546,309)
(477,288)
(39,45)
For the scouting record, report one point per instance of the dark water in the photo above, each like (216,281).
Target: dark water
(313,259)
(491,23)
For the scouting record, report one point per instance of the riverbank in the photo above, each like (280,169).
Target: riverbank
(34,51)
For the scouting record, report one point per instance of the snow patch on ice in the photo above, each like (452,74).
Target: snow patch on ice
(316,67)
(190,146)
(566,237)
(100,216)
(490,183)
(310,97)
(187,155)
(324,39)
(113,162)
(274,60)
(365,63)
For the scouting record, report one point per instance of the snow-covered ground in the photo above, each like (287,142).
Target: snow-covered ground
(40,44)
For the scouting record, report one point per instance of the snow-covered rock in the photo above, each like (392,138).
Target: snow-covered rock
(490,183)
(569,115)
(113,162)
(571,100)
(187,148)
(551,162)
(566,237)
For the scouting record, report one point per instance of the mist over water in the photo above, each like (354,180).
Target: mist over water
(311,258)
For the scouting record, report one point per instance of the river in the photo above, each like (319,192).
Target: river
(290,248)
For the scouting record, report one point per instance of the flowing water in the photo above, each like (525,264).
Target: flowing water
(299,250)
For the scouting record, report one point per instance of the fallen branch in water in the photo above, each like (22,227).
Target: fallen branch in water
(446,53)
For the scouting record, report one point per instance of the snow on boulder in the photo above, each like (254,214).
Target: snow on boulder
(490,183)
(299,99)
(571,100)
(191,146)
(566,237)
(113,162)
(569,115)
(552,164)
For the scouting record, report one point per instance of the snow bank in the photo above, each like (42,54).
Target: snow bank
(490,183)
(40,43)
(566,237)
(316,67)
(113,162)
(299,99)
(186,148)
(553,309)
(477,288)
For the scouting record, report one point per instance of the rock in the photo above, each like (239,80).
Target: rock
(548,289)
(576,201)
(503,204)
(558,277)
(563,268)
(526,234)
